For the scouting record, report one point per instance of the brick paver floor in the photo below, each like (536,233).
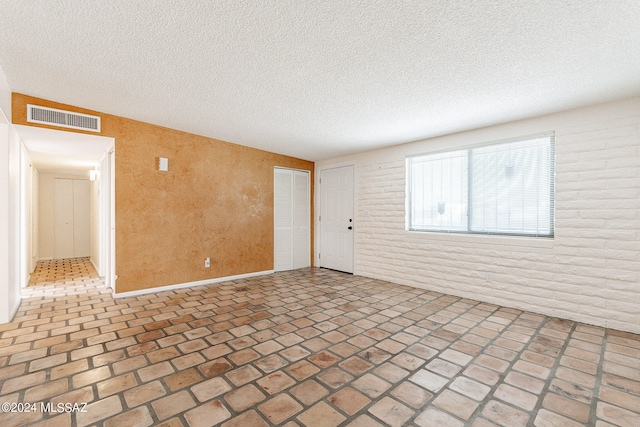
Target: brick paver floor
(309,347)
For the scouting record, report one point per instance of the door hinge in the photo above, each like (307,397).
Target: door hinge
(319,217)
(319,256)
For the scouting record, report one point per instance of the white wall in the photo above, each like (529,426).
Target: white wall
(590,271)
(95,225)
(16,230)
(9,295)
(25,216)
(34,221)
(6,306)
(46,203)
(9,207)
(5,96)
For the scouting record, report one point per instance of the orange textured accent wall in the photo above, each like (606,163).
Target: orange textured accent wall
(216,201)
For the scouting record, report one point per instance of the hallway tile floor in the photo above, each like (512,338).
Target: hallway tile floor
(309,347)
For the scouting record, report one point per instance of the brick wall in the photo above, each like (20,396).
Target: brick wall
(590,271)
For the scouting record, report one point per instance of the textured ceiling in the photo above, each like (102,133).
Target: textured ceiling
(52,149)
(325,78)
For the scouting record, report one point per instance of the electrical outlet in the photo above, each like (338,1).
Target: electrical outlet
(207,263)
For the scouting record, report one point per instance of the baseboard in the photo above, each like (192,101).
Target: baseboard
(95,267)
(189,284)
(15,309)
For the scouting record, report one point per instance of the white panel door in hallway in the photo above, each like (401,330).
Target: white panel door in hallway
(292,246)
(336,219)
(72,216)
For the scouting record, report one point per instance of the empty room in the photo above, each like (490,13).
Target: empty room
(366,213)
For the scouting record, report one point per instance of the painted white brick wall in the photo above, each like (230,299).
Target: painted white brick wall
(590,270)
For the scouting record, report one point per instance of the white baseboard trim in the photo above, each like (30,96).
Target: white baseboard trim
(189,284)
(15,309)
(95,267)
(47,258)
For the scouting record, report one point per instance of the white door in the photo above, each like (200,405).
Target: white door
(72,236)
(63,217)
(292,247)
(336,219)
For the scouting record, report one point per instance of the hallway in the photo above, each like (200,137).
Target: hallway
(62,277)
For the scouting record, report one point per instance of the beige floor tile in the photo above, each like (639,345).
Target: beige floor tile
(355,365)
(182,379)
(349,400)
(69,369)
(280,408)
(364,421)
(412,395)
(246,419)
(324,359)
(518,398)
(548,418)
(244,397)
(25,381)
(434,417)
(275,382)
(210,388)
(215,367)
(321,415)
(207,415)
(136,417)
(243,375)
(144,393)
(392,412)
(302,370)
(567,407)
(617,415)
(306,347)
(99,410)
(50,389)
(524,382)
(172,404)
(371,385)
(429,380)
(505,415)
(575,391)
(309,392)
(116,385)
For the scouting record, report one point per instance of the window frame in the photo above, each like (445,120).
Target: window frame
(409,226)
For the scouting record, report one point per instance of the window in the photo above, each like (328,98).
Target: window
(501,188)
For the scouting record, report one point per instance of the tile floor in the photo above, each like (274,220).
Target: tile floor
(309,347)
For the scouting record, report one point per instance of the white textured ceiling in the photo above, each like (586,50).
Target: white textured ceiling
(54,150)
(318,79)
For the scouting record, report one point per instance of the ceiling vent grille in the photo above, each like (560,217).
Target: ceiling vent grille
(65,119)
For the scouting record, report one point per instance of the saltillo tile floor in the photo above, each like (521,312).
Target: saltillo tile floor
(309,347)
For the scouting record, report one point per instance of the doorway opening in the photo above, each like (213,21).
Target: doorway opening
(336,220)
(67,210)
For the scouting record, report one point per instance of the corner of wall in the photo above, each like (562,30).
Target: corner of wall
(5,97)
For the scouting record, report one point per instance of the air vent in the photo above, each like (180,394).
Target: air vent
(65,119)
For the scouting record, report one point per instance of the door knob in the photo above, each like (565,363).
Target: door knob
(350,228)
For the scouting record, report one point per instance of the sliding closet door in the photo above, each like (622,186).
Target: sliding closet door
(301,219)
(63,217)
(291,219)
(72,216)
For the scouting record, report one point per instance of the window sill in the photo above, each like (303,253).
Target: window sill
(487,239)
